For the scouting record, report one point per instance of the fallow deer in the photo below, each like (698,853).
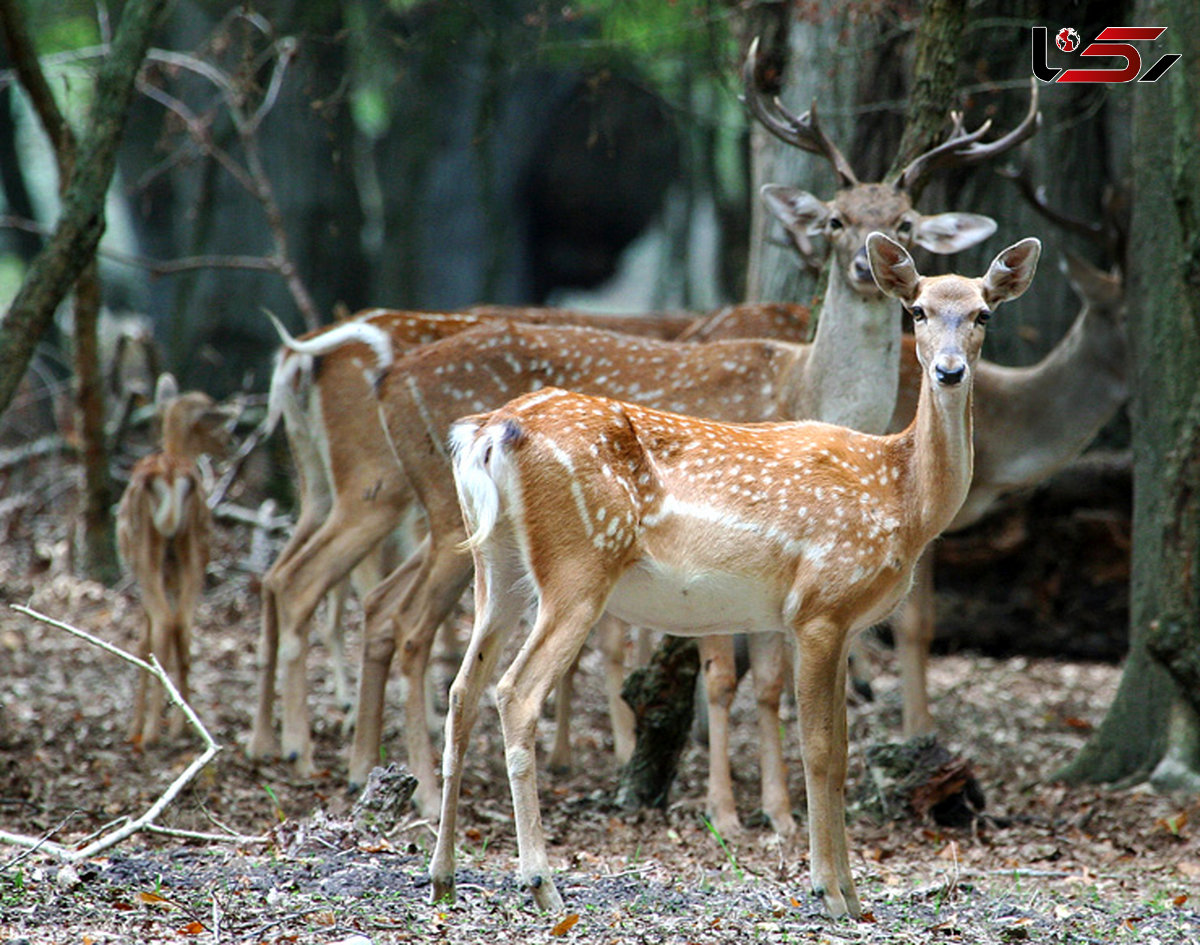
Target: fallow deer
(697,527)
(1029,422)
(843,223)
(846,377)
(163,526)
(352,493)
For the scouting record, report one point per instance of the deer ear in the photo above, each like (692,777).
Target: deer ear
(802,214)
(946,233)
(1011,271)
(1090,283)
(894,270)
(167,389)
(798,210)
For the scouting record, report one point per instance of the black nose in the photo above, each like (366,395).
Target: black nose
(950,378)
(862,268)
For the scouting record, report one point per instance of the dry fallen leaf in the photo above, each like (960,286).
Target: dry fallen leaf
(192,928)
(565,925)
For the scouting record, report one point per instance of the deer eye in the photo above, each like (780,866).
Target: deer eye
(983,317)
(835,223)
(905,228)
(918,313)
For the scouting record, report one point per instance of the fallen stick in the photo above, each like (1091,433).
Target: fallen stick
(146,821)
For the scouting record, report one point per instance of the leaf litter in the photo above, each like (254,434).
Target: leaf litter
(1046,863)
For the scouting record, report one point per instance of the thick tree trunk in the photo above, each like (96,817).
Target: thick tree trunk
(1164,295)
(935,79)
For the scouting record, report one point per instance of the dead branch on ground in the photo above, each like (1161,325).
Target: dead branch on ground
(146,822)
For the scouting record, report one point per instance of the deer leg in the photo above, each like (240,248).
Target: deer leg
(558,633)
(313,507)
(820,680)
(191,586)
(149,701)
(138,720)
(495,616)
(379,644)
(331,633)
(559,761)
(161,633)
(325,560)
(429,603)
(720,686)
(914,629)
(768,665)
(612,633)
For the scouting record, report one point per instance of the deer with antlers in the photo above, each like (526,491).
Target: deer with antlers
(163,526)
(843,222)
(697,527)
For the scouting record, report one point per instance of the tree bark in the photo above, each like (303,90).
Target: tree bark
(1164,326)
(81,222)
(935,80)
(662,696)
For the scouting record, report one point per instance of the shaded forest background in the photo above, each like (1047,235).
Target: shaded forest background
(436,155)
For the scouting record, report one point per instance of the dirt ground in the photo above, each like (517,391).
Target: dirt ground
(1047,864)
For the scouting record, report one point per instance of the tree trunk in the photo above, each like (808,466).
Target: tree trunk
(1164,325)
(935,80)
(81,223)
(661,696)
(95,541)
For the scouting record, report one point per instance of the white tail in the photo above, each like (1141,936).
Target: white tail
(163,527)
(699,527)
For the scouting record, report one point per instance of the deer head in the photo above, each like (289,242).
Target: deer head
(858,208)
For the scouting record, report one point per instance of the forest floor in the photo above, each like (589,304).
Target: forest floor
(1048,863)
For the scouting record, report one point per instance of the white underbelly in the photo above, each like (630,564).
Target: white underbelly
(694,603)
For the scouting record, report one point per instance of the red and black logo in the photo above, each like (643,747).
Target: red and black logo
(1112,41)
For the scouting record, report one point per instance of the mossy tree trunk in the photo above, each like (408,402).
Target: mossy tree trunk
(935,79)
(1146,724)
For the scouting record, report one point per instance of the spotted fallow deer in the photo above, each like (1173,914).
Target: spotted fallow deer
(696,527)
(849,369)
(1029,421)
(353,494)
(843,223)
(163,526)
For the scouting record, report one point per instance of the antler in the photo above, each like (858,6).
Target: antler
(963,149)
(802,132)
(1108,233)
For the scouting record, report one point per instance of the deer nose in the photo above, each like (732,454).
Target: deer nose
(950,376)
(862,267)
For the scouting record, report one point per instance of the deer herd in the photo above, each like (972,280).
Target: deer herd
(701,476)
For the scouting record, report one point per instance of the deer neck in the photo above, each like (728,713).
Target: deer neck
(936,458)
(853,365)
(1061,402)
(177,439)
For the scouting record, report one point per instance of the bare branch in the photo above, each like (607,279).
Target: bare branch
(146,821)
